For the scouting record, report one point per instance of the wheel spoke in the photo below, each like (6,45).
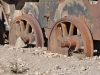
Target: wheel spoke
(27,28)
(78,33)
(17,28)
(71,31)
(59,32)
(64,30)
(32,40)
(22,26)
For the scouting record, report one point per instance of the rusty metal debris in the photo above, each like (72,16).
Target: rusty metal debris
(62,40)
(95,14)
(64,26)
(28,29)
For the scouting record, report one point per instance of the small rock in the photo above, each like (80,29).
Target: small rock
(95,57)
(36,52)
(44,52)
(65,56)
(58,67)
(95,51)
(39,47)
(20,43)
(99,57)
(44,48)
(62,73)
(55,55)
(83,68)
(6,45)
(27,74)
(49,55)
(22,50)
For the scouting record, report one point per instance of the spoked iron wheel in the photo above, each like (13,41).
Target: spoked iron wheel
(70,36)
(28,29)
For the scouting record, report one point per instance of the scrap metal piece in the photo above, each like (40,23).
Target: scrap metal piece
(58,43)
(26,26)
(94,10)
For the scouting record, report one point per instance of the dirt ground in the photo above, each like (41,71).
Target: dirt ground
(38,61)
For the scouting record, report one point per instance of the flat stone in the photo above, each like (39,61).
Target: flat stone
(83,68)
(20,43)
(44,48)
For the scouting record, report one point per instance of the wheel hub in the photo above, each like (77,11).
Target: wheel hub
(72,42)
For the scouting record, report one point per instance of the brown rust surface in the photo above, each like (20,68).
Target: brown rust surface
(85,20)
(94,10)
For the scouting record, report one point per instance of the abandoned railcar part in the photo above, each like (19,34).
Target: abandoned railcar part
(28,29)
(94,9)
(70,35)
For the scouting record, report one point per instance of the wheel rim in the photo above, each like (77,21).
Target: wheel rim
(28,29)
(70,35)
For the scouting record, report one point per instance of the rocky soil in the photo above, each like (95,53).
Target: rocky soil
(38,61)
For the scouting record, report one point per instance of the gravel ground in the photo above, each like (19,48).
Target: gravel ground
(38,61)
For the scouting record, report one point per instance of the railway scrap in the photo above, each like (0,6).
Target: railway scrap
(69,27)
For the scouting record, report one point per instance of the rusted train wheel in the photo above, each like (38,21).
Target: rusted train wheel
(70,36)
(28,29)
